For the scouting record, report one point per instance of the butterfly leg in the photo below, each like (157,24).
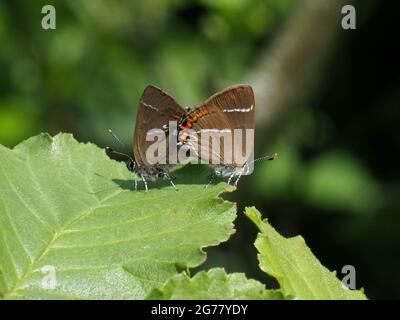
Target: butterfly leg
(231,177)
(145,183)
(170,180)
(244,170)
(173,184)
(211,180)
(237,180)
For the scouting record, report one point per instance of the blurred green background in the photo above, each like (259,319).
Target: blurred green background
(327,103)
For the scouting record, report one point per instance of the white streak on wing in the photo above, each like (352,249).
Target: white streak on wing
(239,109)
(149,105)
(213,130)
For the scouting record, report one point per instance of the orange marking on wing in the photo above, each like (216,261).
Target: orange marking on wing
(188,124)
(196,117)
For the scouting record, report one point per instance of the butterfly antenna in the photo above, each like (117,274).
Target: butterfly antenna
(115,137)
(273,157)
(120,153)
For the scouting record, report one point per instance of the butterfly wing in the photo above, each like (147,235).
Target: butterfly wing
(233,108)
(156,109)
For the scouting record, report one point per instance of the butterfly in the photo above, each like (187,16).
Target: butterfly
(156,108)
(229,110)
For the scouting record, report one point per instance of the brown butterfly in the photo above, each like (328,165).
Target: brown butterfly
(233,108)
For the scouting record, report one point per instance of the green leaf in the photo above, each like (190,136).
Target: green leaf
(68,213)
(292,264)
(213,285)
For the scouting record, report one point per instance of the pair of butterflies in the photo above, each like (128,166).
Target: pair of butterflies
(232,108)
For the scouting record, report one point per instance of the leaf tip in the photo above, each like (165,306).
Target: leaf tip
(254,215)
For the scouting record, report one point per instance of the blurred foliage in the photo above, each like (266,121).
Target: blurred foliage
(336,181)
(88,74)
(333,181)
